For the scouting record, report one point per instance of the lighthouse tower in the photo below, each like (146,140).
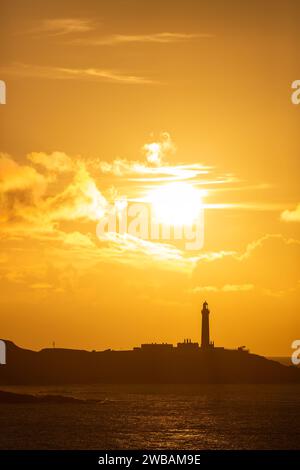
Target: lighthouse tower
(205,343)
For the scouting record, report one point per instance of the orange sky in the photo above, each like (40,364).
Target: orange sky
(110,100)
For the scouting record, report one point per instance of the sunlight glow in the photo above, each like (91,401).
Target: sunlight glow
(176,203)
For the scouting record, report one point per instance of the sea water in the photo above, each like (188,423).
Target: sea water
(156,417)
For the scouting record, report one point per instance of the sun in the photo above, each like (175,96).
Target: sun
(176,203)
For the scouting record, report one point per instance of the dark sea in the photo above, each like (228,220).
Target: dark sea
(156,417)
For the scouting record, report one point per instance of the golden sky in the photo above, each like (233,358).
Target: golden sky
(111,101)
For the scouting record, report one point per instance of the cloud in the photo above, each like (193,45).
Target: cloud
(29,210)
(21,187)
(291,216)
(20,178)
(42,218)
(62,26)
(152,173)
(128,249)
(78,239)
(225,288)
(65,73)
(267,265)
(67,26)
(55,161)
(121,167)
(41,285)
(45,217)
(55,199)
(156,38)
(156,152)
(81,199)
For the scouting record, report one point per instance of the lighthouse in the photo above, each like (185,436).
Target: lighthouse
(205,343)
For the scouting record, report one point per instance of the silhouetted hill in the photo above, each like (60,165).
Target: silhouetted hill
(285,360)
(153,365)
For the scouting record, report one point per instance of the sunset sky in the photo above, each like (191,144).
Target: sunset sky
(138,101)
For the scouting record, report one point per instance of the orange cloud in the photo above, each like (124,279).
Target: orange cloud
(267,264)
(56,161)
(291,216)
(156,152)
(81,199)
(158,38)
(67,73)
(20,178)
(62,26)
(225,288)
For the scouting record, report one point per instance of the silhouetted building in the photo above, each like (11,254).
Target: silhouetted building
(205,342)
(155,347)
(187,344)
(243,349)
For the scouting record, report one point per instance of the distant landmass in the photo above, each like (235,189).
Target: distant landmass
(285,360)
(160,363)
(150,363)
(10,397)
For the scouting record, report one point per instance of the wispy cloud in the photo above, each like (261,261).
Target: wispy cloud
(62,26)
(154,168)
(65,73)
(251,269)
(225,288)
(158,38)
(80,26)
(128,249)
